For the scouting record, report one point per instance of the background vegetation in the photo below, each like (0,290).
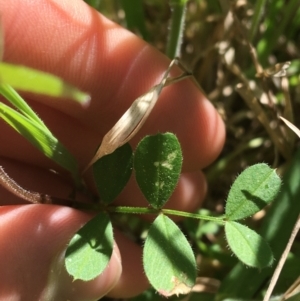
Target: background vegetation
(245,55)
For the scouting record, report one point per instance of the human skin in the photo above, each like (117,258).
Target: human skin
(71,40)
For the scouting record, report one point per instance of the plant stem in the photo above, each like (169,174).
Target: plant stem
(30,196)
(38,198)
(176,28)
(258,11)
(132,210)
(145,210)
(219,219)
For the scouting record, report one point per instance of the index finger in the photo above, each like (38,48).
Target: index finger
(115,67)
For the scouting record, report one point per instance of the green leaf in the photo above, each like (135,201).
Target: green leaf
(254,188)
(248,246)
(168,259)
(41,138)
(276,228)
(157,164)
(16,100)
(90,249)
(112,172)
(31,80)
(135,16)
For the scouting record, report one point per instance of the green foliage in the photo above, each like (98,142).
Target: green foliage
(112,172)
(176,29)
(284,11)
(247,245)
(276,229)
(135,18)
(157,164)
(270,28)
(254,188)
(90,249)
(31,127)
(168,259)
(31,80)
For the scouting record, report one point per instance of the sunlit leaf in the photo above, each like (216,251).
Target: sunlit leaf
(254,188)
(17,101)
(35,81)
(90,249)
(168,259)
(42,139)
(157,164)
(276,227)
(247,245)
(112,172)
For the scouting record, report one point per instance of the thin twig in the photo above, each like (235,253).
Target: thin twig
(31,196)
(282,260)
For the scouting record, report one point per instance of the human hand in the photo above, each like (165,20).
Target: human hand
(69,39)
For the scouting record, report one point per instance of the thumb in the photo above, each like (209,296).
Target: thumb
(34,239)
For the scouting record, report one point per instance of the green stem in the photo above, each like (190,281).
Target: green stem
(219,219)
(258,11)
(132,210)
(176,28)
(94,3)
(145,210)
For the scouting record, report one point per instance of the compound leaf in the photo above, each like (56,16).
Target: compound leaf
(112,172)
(254,188)
(247,245)
(168,259)
(157,164)
(90,249)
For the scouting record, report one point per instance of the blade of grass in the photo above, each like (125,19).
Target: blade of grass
(30,126)
(93,3)
(135,17)
(42,139)
(35,81)
(15,99)
(175,35)
(258,12)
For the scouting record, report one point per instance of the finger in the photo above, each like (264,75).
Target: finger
(133,280)
(32,256)
(115,67)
